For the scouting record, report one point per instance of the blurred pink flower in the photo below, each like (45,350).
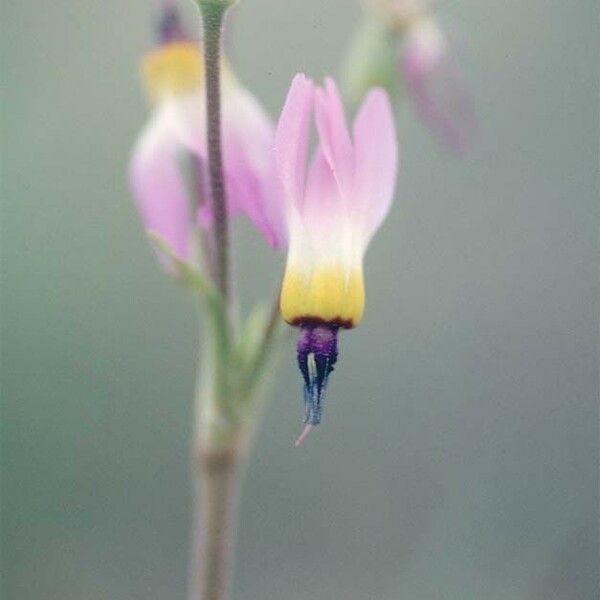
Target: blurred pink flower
(171,204)
(435,85)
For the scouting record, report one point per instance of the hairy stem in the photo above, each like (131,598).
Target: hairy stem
(212,19)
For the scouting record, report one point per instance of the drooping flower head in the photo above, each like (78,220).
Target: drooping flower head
(168,170)
(332,210)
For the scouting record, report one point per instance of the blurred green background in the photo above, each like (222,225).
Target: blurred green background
(458,458)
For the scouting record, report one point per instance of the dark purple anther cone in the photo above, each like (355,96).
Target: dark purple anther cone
(169,27)
(317,354)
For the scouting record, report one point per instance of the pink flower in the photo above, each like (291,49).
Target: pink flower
(332,210)
(168,170)
(435,85)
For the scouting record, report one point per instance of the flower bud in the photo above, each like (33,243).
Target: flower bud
(370,59)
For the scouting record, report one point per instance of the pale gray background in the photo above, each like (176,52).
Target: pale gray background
(458,456)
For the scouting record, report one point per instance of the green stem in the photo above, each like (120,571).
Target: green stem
(212,19)
(218,479)
(218,451)
(222,431)
(217,440)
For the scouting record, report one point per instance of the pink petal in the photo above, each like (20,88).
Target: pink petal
(249,157)
(187,119)
(437,90)
(158,188)
(333,134)
(291,138)
(323,207)
(376,155)
(253,193)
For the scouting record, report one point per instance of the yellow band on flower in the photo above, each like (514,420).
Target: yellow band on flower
(174,68)
(328,295)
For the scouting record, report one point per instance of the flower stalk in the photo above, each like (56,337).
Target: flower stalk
(231,383)
(216,500)
(218,445)
(231,390)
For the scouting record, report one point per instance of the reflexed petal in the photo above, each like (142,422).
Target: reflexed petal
(376,155)
(187,118)
(323,206)
(291,138)
(252,193)
(327,219)
(158,188)
(249,156)
(347,195)
(333,134)
(436,88)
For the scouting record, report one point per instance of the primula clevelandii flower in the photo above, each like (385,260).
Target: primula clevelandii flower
(332,212)
(170,204)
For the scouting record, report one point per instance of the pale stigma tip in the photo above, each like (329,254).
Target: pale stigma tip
(303,435)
